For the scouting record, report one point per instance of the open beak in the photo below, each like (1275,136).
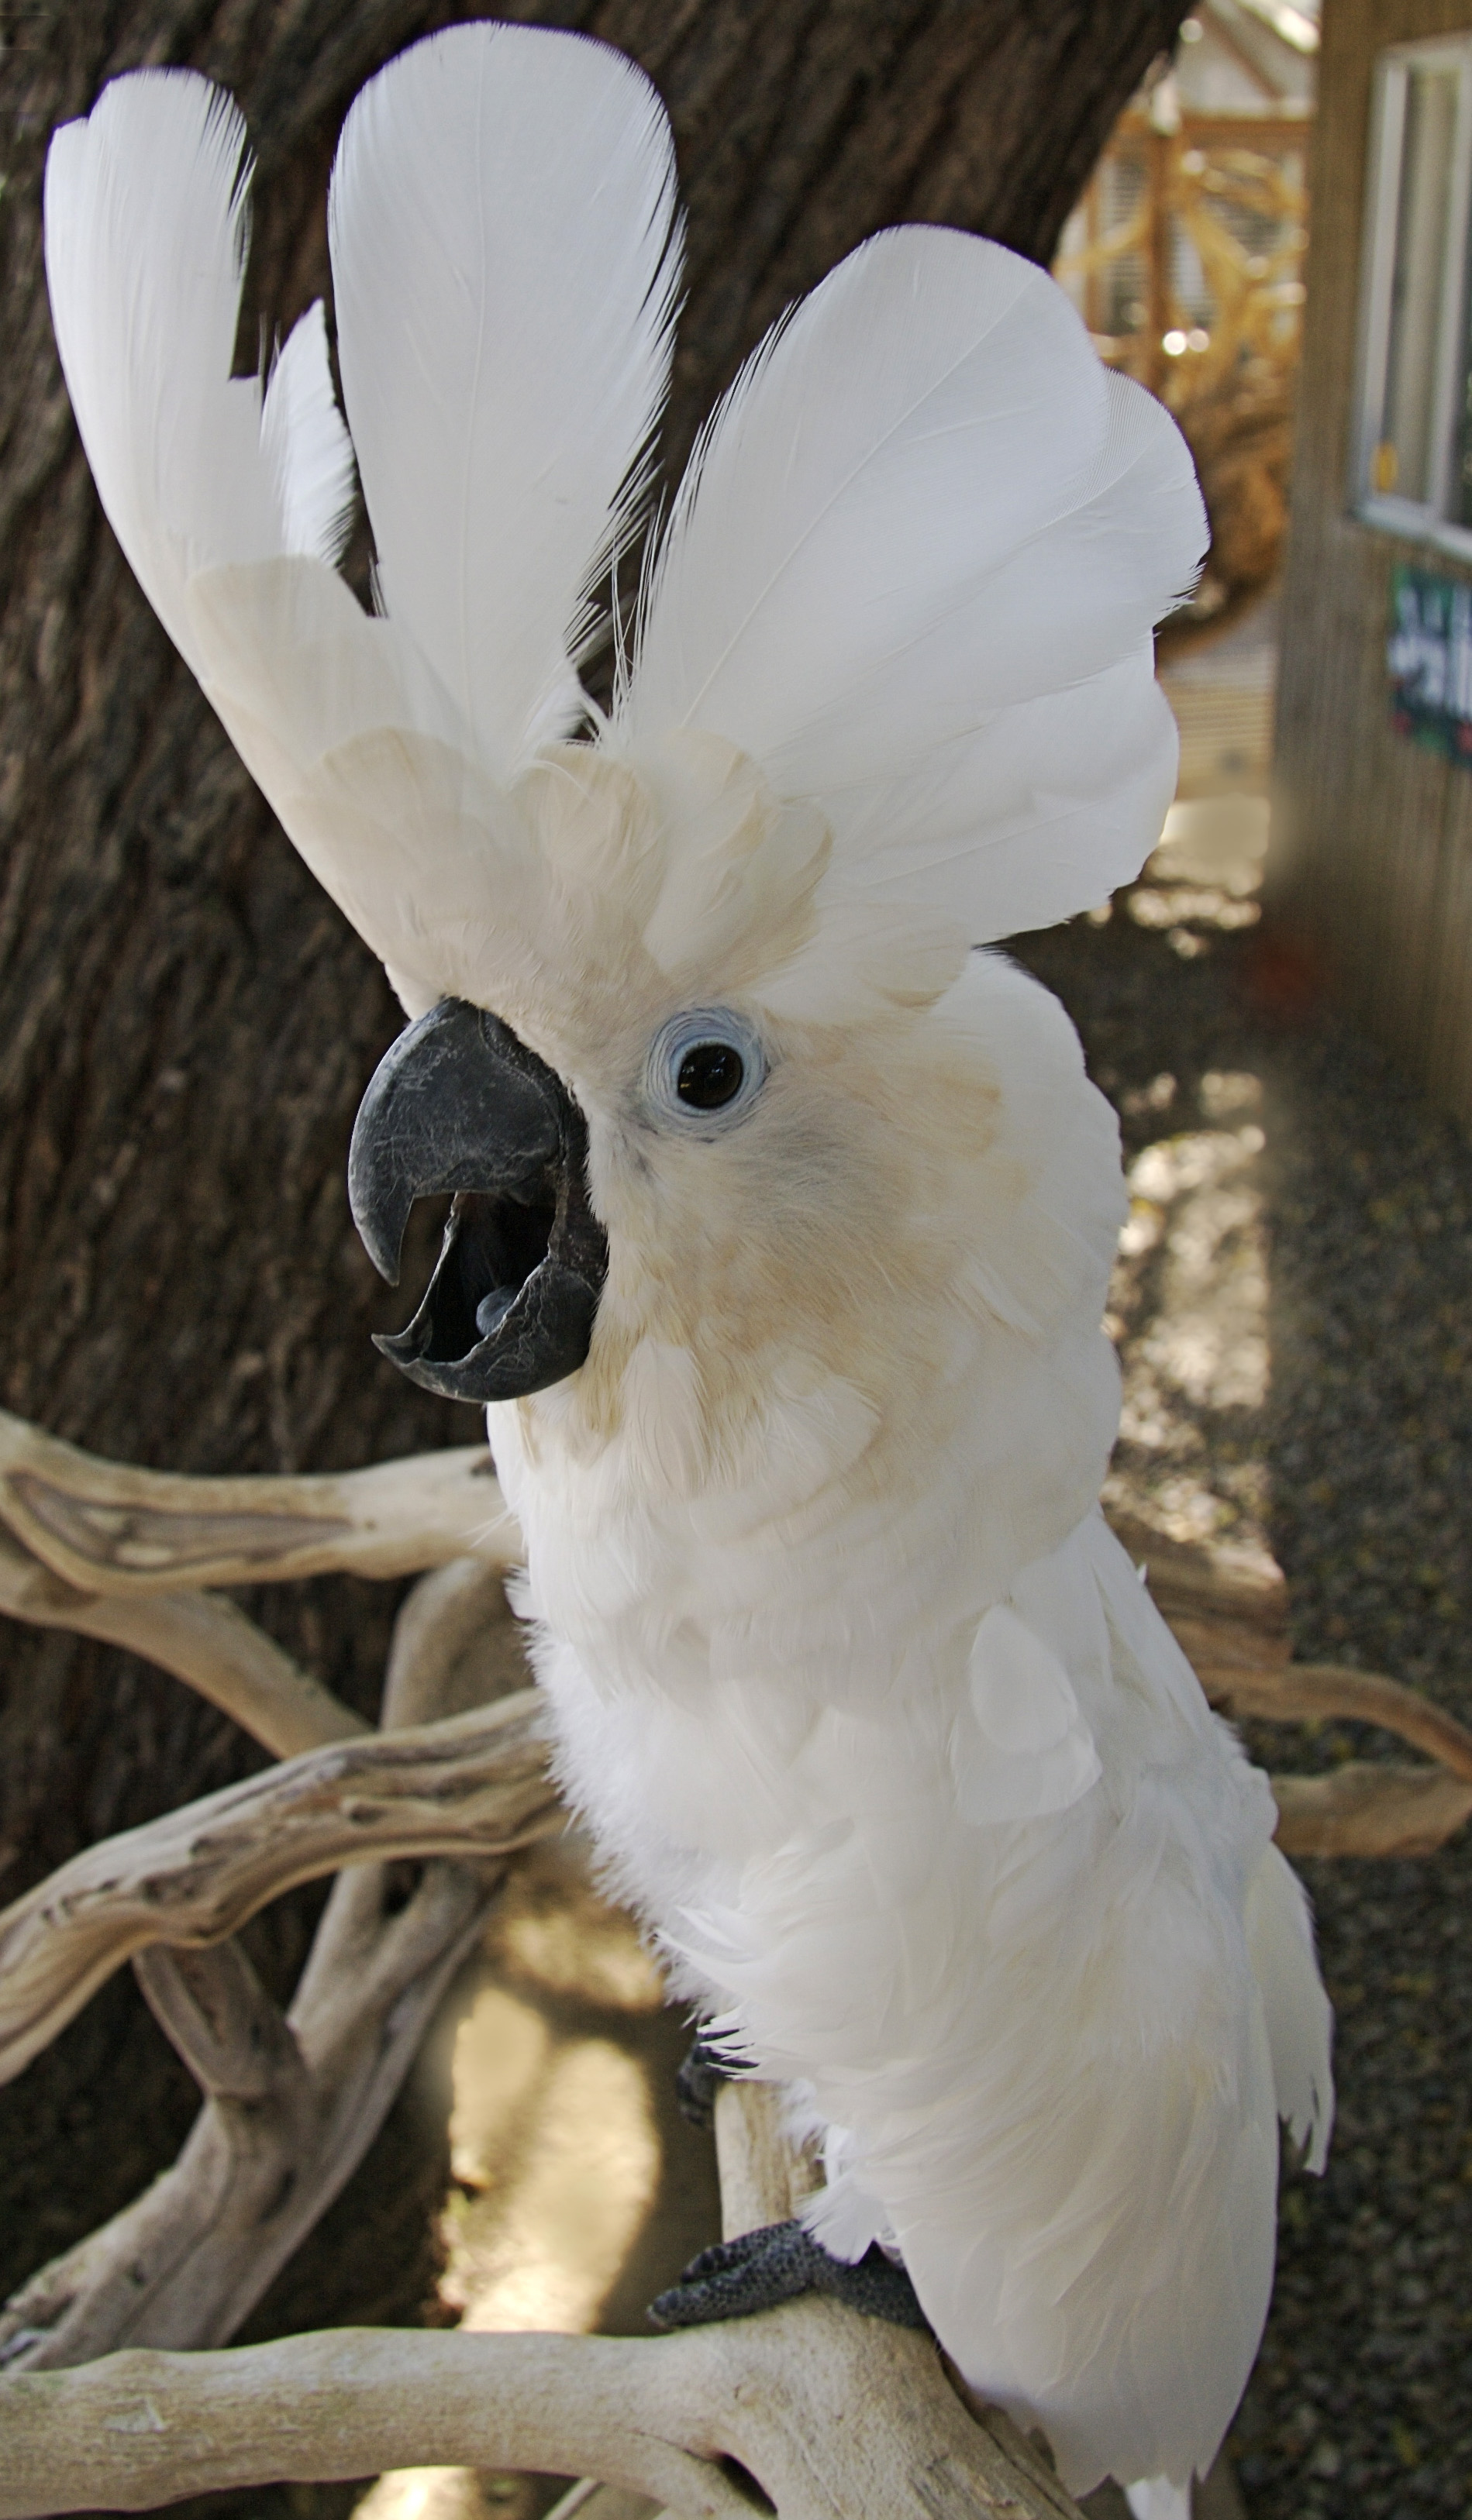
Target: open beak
(459,1104)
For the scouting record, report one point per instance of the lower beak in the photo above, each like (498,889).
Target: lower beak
(460,1104)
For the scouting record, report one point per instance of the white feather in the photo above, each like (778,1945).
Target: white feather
(145,229)
(306,446)
(505,262)
(1155,2498)
(1042,810)
(1020,1748)
(346,730)
(231,509)
(924,506)
(1299,2016)
(546,202)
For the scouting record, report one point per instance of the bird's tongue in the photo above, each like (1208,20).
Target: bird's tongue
(492,1247)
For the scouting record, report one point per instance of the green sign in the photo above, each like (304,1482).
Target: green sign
(1429,658)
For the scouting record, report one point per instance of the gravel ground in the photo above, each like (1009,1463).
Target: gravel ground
(1294,1311)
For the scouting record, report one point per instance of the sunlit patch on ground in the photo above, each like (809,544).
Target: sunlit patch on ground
(538,2241)
(578,2192)
(1188,1300)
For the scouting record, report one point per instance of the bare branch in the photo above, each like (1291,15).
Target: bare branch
(187,2260)
(455,1645)
(214,2009)
(474,1785)
(1297,1692)
(106,1527)
(764,2175)
(1229,1609)
(1364,1810)
(837,2417)
(209,1643)
(291,2106)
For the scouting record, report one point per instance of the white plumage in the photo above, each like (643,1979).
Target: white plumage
(871,1717)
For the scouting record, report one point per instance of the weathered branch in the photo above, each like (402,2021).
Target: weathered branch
(836,2417)
(127,2431)
(473,1786)
(455,1645)
(106,1527)
(209,1643)
(214,2009)
(291,2106)
(764,2175)
(294,2106)
(126,1555)
(1316,1692)
(1364,1810)
(1229,1613)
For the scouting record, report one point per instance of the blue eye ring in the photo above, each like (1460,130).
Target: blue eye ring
(706,1068)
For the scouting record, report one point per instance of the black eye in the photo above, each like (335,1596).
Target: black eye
(711,1075)
(706,1070)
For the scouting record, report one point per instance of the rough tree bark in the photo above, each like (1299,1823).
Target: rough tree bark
(185,1022)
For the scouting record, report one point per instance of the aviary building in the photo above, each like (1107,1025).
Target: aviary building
(1372,854)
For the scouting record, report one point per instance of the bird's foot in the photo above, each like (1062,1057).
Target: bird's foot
(699,2079)
(737,2277)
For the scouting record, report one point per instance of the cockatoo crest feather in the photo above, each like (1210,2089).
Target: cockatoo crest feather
(891,692)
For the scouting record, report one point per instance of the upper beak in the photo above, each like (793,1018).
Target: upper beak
(459,1104)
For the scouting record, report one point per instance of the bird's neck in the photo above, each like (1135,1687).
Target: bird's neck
(921,1494)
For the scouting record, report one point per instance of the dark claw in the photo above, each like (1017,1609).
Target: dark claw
(699,2079)
(736,2279)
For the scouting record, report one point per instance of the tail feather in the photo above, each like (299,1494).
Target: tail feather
(1299,2016)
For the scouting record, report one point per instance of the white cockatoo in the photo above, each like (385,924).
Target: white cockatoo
(784,1210)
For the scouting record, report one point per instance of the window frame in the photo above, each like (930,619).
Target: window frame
(1419,520)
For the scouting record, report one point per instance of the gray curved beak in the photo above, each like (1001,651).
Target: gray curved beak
(459,1104)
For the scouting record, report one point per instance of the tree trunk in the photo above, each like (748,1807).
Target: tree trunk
(186,1023)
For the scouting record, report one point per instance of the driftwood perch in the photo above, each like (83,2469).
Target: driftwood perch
(474,1786)
(1230,1617)
(831,2415)
(836,2417)
(106,1527)
(291,2107)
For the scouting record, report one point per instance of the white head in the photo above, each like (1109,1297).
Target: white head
(748,1090)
